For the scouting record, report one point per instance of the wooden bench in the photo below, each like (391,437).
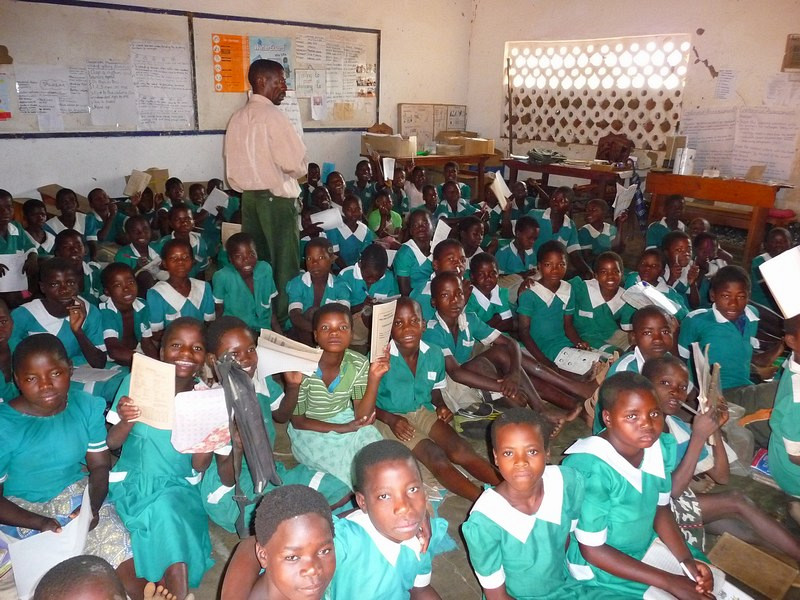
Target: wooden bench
(728,216)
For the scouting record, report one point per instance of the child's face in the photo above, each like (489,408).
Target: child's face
(336,185)
(418,178)
(449,302)
(559,204)
(553,267)
(182,221)
(472,237)
(489,197)
(71,248)
(6,324)
(674,210)
(452,259)
(526,237)
(430,198)
(240,344)
(244,258)
(175,192)
(609,275)
(519,191)
(43,380)
(485,277)
(313,175)
(139,232)
(420,228)
(146,202)
(520,455)
(37,216)
(451,194)
(352,211)
(178,262)
(299,558)
(371,275)
(394,499)
(185,348)
(399,179)
(731,299)
(383,204)
(705,251)
(197,195)
(698,225)
(68,204)
(595,213)
(363,172)
(333,332)
(650,268)
(653,337)
(680,252)
(321,198)
(634,422)
(450,173)
(122,289)
(407,327)
(319,261)
(6,210)
(60,287)
(101,204)
(672,386)
(777,243)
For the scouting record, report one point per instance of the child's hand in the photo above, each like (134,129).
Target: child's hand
(293,378)
(675,270)
(705,424)
(694,273)
(582,345)
(722,412)
(141,262)
(380,367)
(95,517)
(402,429)
(112,209)
(77,316)
(424,534)
(357,424)
(444,414)
(704,580)
(623,216)
(48,524)
(127,409)
(135,199)
(698,583)
(492,247)
(370,301)
(3,269)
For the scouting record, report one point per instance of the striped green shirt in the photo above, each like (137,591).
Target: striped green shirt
(317,401)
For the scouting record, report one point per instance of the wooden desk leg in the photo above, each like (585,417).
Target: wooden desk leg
(513,172)
(655,208)
(754,234)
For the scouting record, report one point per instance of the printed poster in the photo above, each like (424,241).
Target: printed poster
(231,56)
(277,49)
(6,83)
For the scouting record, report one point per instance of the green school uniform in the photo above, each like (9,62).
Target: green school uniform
(352,287)
(510,261)
(364,557)
(597,319)
(422,295)
(784,442)
(444,211)
(199,250)
(365,194)
(16,241)
(55,225)
(402,391)
(597,241)
(94,224)
(526,552)
(567,234)
(112,320)
(155,491)
(757,293)
(546,311)
(350,244)
(167,304)
(46,247)
(300,291)
(664,288)
(130,256)
(497,303)
(618,509)
(630,362)
(254,308)
(728,346)
(92,284)
(470,330)
(218,499)
(656,232)
(399,200)
(528,205)
(411,262)
(464,191)
(493,224)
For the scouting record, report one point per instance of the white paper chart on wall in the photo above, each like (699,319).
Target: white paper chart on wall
(426,120)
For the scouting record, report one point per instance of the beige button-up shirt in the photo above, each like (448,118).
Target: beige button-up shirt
(263,151)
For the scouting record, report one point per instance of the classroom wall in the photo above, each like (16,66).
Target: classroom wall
(412,31)
(748,37)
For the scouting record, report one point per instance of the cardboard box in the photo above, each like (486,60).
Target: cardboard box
(389,145)
(478,146)
(49,191)
(445,136)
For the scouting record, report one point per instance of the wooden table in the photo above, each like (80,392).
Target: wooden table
(761,196)
(604,178)
(440,160)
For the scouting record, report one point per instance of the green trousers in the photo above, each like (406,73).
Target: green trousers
(272,221)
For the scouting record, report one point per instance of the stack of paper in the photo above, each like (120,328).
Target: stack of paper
(214,200)
(643,294)
(709,390)
(201,421)
(152,389)
(500,190)
(782,275)
(382,320)
(279,354)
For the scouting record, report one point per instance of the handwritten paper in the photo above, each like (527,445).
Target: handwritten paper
(279,354)
(310,83)
(201,421)
(781,275)
(712,134)
(330,218)
(726,84)
(290,107)
(162,77)
(112,98)
(49,115)
(216,199)
(382,319)
(500,190)
(153,391)
(783,89)
(228,229)
(766,136)
(442,232)
(456,118)
(69,85)
(34,556)
(14,280)
(310,50)
(136,183)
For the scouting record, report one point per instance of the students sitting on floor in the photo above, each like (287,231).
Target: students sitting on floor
(671,221)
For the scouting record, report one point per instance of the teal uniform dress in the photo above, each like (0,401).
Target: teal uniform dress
(662,286)
(55,226)
(597,319)
(254,308)
(630,362)
(92,285)
(527,552)
(365,194)
(597,241)
(422,295)
(352,287)
(528,205)
(33,317)
(567,234)
(218,499)
(464,191)
(729,346)
(785,423)
(167,304)
(402,391)
(470,330)
(17,242)
(130,255)
(399,200)
(199,250)
(44,249)
(350,244)
(112,320)
(656,232)
(510,261)
(757,293)
(486,307)
(411,262)
(618,509)
(493,224)
(546,311)
(300,291)
(444,211)
(155,490)
(371,565)
(94,224)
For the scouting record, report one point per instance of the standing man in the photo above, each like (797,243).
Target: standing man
(264,156)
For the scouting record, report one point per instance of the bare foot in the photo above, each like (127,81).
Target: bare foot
(153,592)
(557,419)
(574,413)
(794,511)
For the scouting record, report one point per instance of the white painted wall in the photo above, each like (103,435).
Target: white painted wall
(748,37)
(424,58)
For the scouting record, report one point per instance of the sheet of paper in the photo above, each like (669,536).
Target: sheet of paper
(153,390)
(388,167)
(162,77)
(291,109)
(782,275)
(310,50)
(137,182)
(68,85)
(702,372)
(14,280)
(456,118)
(86,374)
(153,267)
(783,89)
(278,49)
(643,294)
(201,421)
(623,199)
(6,85)
(278,354)
(382,319)
(32,557)
(500,190)
(310,83)
(327,219)
(712,134)
(214,200)
(319,109)
(577,361)
(726,84)
(228,229)
(49,115)
(441,233)
(766,136)
(391,254)
(112,96)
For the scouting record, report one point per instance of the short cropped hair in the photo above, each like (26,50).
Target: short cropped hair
(131,221)
(702,237)
(113,269)
(219,327)
(287,502)
(173,243)
(730,274)
(61,236)
(656,252)
(62,193)
(449,184)
(598,202)
(468,223)
(183,322)
(67,579)
(548,247)
(171,183)
(375,454)
(374,257)
(645,313)
(440,279)
(481,258)
(56,264)
(411,303)
(319,242)
(29,206)
(334,308)
(673,236)
(90,196)
(262,67)
(39,343)
(445,245)
(522,416)
(178,207)
(609,255)
(7,194)
(526,223)
(618,383)
(654,367)
(238,239)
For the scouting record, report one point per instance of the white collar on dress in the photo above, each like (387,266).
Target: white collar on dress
(175,299)
(794,369)
(52,324)
(360,233)
(389,549)
(748,312)
(563,292)
(652,461)
(513,247)
(681,224)
(462,321)
(594,233)
(494,297)
(421,258)
(596,296)
(109,305)
(567,220)
(423,348)
(307,280)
